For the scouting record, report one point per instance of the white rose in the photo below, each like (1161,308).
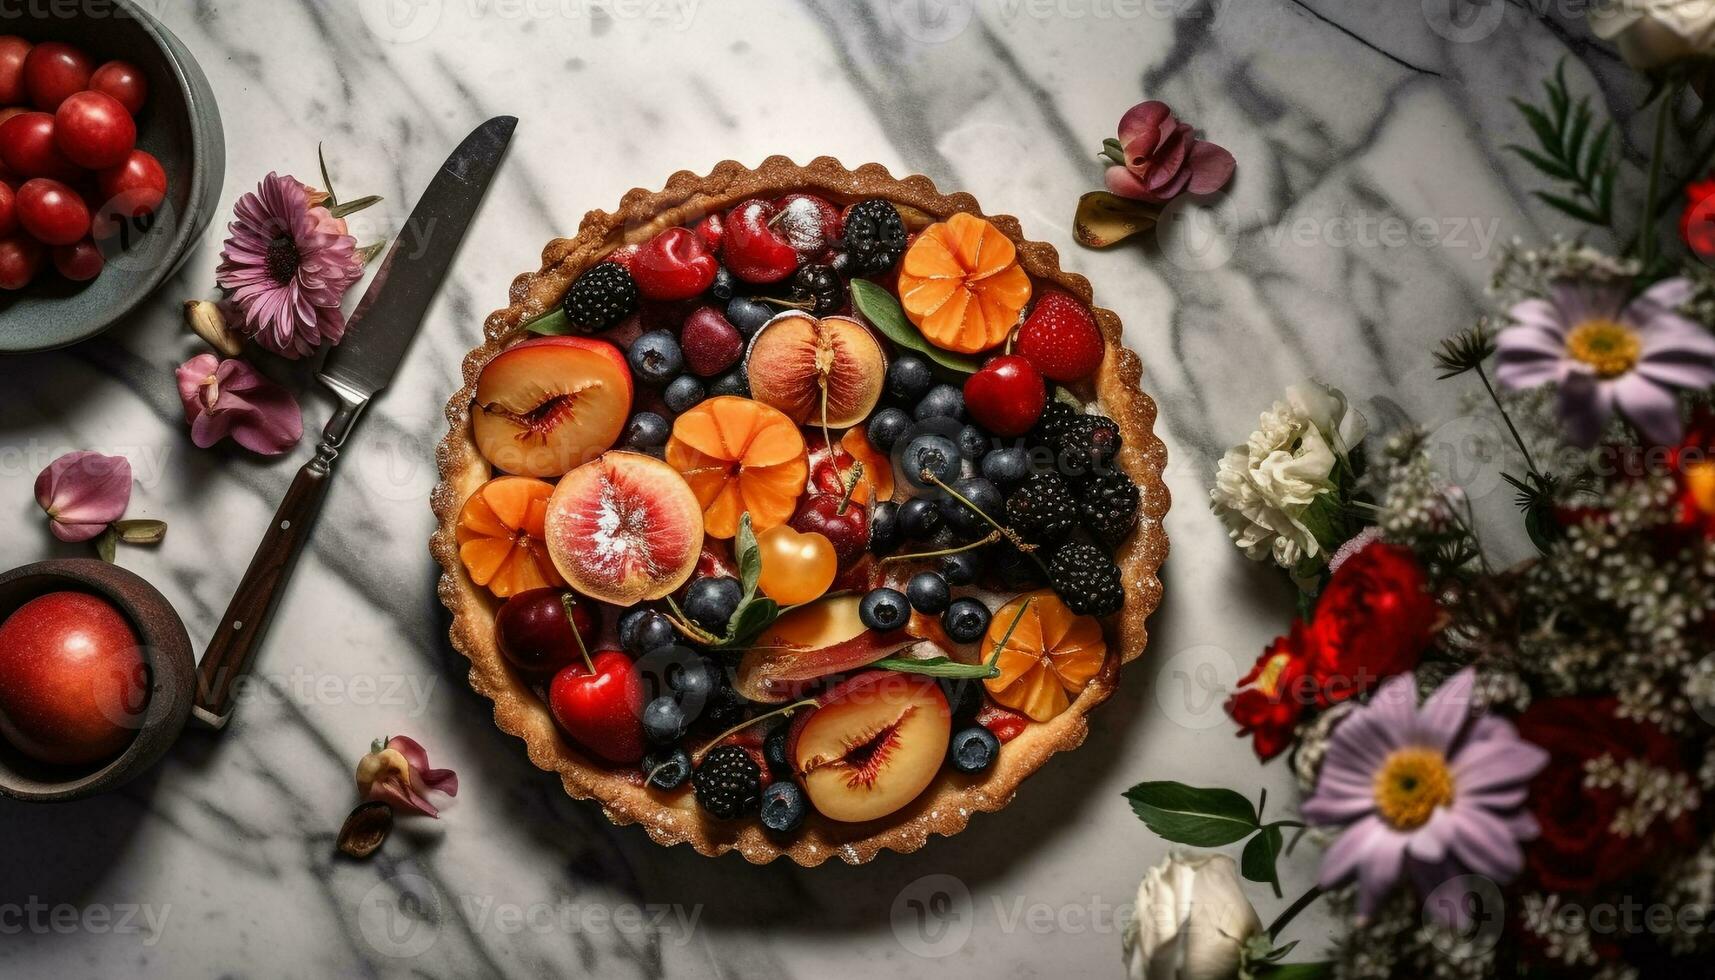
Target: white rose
(1264,487)
(1655,33)
(1191,922)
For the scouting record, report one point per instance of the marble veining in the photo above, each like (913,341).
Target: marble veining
(1343,117)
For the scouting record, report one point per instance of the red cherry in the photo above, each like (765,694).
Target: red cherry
(712,230)
(673,265)
(53,71)
(20,260)
(134,188)
(602,708)
(80,261)
(1007,396)
(845,523)
(1061,339)
(8,210)
(755,250)
(535,630)
(711,343)
(810,223)
(13,51)
(94,131)
(51,212)
(623,255)
(124,81)
(28,149)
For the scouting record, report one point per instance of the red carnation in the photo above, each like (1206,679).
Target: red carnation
(1373,621)
(1578,850)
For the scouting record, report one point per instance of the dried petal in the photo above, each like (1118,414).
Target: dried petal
(207,321)
(1162,158)
(1106,219)
(397,772)
(141,531)
(83,492)
(365,829)
(230,397)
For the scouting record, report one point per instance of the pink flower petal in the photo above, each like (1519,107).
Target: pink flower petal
(1211,167)
(1146,120)
(83,492)
(1651,409)
(1123,183)
(258,414)
(441,780)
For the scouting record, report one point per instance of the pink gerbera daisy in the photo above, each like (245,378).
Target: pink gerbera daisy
(287,265)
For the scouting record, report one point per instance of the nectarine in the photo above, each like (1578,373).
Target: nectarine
(624,528)
(872,744)
(545,406)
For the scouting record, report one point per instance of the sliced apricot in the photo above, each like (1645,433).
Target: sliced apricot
(962,285)
(500,536)
(739,456)
(1048,659)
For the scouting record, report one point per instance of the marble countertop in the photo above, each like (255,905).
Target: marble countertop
(1371,194)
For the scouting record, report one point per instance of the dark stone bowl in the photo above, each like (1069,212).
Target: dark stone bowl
(166,650)
(180,125)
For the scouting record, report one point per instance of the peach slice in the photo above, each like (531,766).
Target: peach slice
(500,533)
(1049,658)
(545,406)
(739,456)
(795,357)
(810,643)
(872,744)
(624,528)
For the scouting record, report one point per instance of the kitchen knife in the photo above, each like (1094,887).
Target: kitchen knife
(375,342)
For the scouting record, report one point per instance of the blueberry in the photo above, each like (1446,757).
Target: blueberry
(884,532)
(962,519)
(1006,467)
(959,568)
(663,720)
(733,382)
(964,697)
(784,806)
(919,519)
(886,427)
(711,601)
(941,402)
(883,609)
(695,682)
(909,378)
(748,315)
(655,358)
(935,453)
(646,431)
(973,749)
(774,750)
(973,442)
(965,620)
(667,769)
(684,393)
(722,287)
(927,592)
(650,631)
(628,624)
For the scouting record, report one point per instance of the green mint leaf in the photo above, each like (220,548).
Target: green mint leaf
(749,556)
(878,306)
(1191,815)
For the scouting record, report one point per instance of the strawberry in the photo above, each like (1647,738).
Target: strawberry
(1060,338)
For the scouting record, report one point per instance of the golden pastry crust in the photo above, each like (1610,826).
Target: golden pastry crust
(673,818)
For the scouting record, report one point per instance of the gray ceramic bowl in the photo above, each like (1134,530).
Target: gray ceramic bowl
(166,650)
(179,124)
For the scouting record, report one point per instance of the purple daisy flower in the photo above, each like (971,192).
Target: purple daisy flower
(1434,792)
(1608,354)
(287,265)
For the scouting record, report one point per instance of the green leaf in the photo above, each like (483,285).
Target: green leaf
(749,556)
(751,618)
(1259,858)
(1191,815)
(352,207)
(1569,207)
(553,323)
(1580,126)
(327,182)
(107,546)
(937,667)
(1546,134)
(1598,152)
(141,531)
(1541,162)
(878,306)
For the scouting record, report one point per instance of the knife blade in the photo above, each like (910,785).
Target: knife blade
(380,331)
(393,307)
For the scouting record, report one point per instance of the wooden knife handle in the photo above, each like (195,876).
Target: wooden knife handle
(233,647)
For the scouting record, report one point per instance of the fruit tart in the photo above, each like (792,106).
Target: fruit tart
(799,510)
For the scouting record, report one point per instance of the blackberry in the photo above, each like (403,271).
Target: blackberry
(875,237)
(819,285)
(600,298)
(1055,415)
(1108,505)
(1087,444)
(728,784)
(1087,580)
(1043,508)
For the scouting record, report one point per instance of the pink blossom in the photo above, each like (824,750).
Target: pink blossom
(396,772)
(84,492)
(1163,159)
(230,397)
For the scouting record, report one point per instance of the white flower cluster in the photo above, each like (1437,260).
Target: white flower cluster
(1266,489)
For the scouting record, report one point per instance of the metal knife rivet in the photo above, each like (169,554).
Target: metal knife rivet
(237,625)
(285,525)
